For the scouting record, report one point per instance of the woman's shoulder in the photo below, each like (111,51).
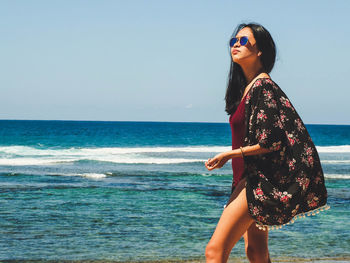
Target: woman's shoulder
(266,90)
(269,92)
(266,82)
(261,85)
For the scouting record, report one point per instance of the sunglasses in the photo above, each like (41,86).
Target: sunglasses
(242,41)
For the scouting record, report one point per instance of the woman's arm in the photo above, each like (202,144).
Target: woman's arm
(219,160)
(247,150)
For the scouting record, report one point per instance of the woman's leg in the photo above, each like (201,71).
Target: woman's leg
(256,244)
(233,223)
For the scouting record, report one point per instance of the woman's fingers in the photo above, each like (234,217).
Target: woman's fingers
(211,161)
(207,165)
(215,162)
(212,166)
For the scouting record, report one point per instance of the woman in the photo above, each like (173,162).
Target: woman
(277,175)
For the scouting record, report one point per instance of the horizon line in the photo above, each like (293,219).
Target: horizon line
(153,121)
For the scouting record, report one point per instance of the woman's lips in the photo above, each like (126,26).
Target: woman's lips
(235,51)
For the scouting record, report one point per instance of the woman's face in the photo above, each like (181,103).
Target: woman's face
(248,53)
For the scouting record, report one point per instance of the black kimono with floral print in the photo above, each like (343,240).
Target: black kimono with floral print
(289,180)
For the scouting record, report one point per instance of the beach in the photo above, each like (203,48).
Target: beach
(75,191)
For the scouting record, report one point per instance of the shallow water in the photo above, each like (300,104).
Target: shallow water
(72,192)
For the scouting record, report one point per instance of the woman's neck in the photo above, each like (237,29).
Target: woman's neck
(251,71)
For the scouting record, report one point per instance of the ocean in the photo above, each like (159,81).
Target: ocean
(139,191)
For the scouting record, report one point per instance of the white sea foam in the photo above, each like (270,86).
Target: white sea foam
(108,150)
(43,161)
(25,155)
(335,161)
(337,176)
(33,161)
(334,149)
(26,150)
(150,160)
(88,175)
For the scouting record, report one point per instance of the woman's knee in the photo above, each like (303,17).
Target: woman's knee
(257,254)
(213,253)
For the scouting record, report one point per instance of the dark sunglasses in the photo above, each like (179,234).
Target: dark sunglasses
(242,41)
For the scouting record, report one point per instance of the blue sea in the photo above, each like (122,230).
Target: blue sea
(139,191)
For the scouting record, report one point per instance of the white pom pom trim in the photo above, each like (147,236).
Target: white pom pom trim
(301,215)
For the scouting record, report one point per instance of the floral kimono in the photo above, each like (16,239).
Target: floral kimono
(288,182)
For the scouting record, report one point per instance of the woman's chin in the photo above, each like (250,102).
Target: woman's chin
(235,60)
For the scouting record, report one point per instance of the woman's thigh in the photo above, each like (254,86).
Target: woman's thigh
(237,190)
(233,223)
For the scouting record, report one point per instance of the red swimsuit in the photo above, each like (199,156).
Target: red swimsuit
(237,130)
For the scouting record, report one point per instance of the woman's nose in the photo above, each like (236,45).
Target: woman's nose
(236,44)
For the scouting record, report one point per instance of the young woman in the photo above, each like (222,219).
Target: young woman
(277,174)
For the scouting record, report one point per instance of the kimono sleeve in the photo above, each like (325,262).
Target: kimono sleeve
(269,130)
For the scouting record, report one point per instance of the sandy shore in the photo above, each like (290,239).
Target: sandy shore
(232,260)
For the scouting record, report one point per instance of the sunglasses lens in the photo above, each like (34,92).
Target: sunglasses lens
(233,41)
(243,41)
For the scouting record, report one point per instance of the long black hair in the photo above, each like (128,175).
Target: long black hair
(236,80)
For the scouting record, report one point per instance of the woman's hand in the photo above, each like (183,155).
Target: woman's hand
(218,161)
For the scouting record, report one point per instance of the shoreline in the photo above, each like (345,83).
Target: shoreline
(340,259)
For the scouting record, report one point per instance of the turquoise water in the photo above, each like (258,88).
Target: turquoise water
(127,191)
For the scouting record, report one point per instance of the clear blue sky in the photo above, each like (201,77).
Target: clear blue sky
(164,60)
